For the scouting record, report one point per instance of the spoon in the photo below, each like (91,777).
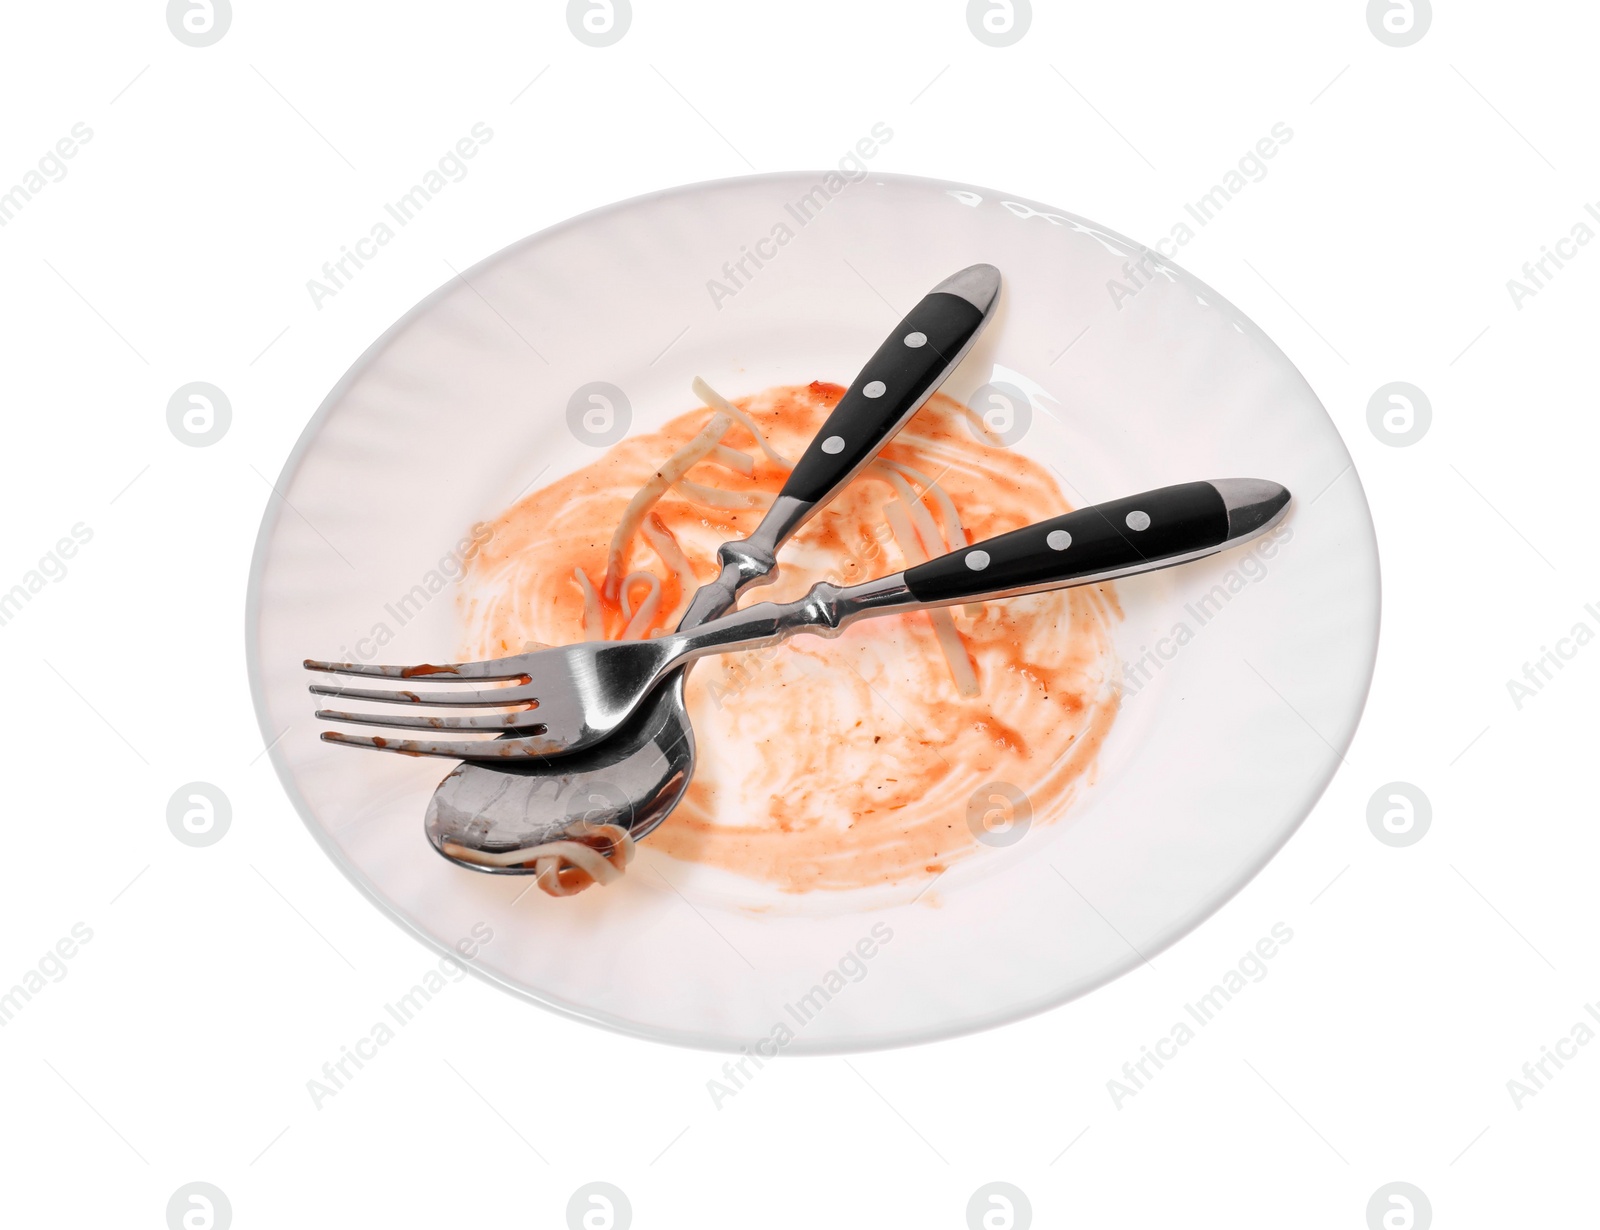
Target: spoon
(637,775)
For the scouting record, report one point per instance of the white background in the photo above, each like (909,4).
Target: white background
(178,1044)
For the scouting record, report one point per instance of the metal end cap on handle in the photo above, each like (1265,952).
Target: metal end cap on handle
(979,285)
(1253,504)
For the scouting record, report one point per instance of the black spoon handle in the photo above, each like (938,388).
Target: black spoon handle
(910,365)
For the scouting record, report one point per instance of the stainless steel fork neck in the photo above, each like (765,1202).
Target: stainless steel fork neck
(825,610)
(882,596)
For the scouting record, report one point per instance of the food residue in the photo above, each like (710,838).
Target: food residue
(876,757)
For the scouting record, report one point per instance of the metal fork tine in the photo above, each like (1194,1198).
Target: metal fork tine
(410,721)
(426,672)
(486,697)
(460,749)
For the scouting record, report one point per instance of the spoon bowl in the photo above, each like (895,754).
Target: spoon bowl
(634,780)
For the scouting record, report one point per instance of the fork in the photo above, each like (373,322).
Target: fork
(561,700)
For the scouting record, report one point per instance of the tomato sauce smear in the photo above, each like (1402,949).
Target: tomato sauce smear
(824,764)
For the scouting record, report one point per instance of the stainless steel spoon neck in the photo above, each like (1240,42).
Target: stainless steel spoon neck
(754,560)
(713,598)
(783,519)
(748,562)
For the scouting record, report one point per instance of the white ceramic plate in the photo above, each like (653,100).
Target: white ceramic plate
(1248,699)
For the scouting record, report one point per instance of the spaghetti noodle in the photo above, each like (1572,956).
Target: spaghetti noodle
(592,854)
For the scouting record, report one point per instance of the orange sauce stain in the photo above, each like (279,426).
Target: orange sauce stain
(826,764)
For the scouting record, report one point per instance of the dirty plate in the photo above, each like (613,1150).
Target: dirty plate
(1244,674)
